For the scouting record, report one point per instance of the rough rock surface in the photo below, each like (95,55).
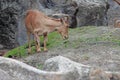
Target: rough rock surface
(98,74)
(56,68)
(5,76)
(113,12)
(82,12)
(62,64)
(91,12)
(8,26)
(21,71)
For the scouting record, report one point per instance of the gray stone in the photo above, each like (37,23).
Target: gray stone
(1,46)
(21,71)
(81,12)
(57,68)
(113,75)
(5,76)
(98,74)
(62,64)
(92,12)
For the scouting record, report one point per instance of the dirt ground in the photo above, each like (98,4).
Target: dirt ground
(102,54)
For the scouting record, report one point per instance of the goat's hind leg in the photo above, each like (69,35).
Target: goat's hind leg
(37,43)
(45,42)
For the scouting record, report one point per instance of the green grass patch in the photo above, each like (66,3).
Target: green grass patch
(20,51)
(54,40)
(40,66)
(17,52)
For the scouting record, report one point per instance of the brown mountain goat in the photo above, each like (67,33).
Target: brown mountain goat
(37,23)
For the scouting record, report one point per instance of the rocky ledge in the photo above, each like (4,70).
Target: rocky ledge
(56,68)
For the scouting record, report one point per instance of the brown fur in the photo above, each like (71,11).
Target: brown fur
(37,23)
(117,1)
(116,23)
(3,52)
(98,74)
(114,75)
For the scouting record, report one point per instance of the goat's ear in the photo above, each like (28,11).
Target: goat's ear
(66,19)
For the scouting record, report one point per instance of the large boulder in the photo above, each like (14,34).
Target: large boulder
(21,71)
(56,68)
(62,6)
(92,12)
(65,70)
(98,74)
(62,64)
(5,76)
(8,26)
(81,12)
(78,71)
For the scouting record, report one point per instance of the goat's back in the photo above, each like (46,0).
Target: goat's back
(33,19)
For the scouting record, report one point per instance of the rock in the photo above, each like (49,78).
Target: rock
(71,9)
(113,75)
(92,12)
(64,6)
(21,71)
(98,74)
(78,71)
(62,64)
(81,12)
(8,27)
(5,76)
(1,46)
(56,68)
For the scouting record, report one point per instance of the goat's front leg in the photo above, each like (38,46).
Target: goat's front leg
(45,41)
(37,40)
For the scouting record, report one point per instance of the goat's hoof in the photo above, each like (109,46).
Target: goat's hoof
(45,50)
(38,50)
(29,51)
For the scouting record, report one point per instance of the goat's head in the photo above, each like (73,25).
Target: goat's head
(63,29)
